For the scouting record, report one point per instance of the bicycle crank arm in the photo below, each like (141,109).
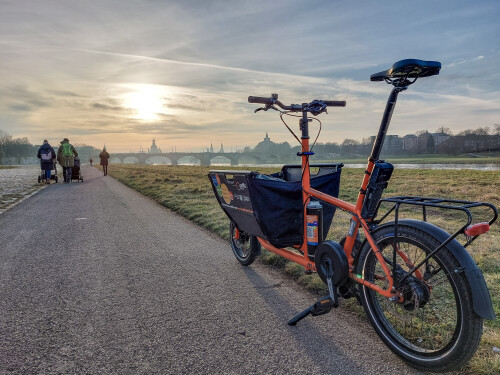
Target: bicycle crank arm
(323,306)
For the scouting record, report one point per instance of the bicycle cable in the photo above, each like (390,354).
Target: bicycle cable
(290,130)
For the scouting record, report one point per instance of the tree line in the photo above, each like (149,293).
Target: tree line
(442,141)
(15,149)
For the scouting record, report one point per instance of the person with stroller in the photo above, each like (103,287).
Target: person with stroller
(46,154)
(66,156)
(104,156)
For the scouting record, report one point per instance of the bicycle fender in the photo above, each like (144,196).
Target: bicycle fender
(481,299)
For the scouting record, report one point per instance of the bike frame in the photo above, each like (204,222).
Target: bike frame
(354,209)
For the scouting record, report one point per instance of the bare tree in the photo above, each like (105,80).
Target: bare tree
(4,139)
(444,130)
(497,129)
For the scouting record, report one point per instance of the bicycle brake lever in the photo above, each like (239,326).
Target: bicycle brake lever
(267,107)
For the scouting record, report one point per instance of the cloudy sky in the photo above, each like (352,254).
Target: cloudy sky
(123,72)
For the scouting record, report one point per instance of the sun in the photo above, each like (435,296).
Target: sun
(145,101)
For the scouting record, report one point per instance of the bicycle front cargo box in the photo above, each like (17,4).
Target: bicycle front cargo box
(270,206)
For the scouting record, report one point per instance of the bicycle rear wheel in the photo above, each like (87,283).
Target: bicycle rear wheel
(435,327)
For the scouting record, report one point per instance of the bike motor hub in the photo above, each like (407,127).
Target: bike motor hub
(331,252)
(416,294)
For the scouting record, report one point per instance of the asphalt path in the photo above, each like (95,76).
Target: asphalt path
(97,279)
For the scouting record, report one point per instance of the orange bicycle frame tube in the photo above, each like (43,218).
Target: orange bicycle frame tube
(303,259)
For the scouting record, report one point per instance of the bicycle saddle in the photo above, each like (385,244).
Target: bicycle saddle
(409,68)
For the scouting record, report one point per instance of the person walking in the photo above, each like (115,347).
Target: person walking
(66,157)
(91,161)
(104,156)
(46,154)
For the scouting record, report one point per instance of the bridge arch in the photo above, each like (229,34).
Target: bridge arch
(159,160)
(220,160)
(131,160)
(248,159)
(272,159)
(188,160)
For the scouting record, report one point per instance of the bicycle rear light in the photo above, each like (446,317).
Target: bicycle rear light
(477,229)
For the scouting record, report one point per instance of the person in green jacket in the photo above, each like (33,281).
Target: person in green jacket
(66,157)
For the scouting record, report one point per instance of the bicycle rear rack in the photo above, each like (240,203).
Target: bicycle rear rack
(440,203)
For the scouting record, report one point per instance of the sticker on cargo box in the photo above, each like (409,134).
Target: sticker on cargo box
(241,186)
(215,180)
(226,194)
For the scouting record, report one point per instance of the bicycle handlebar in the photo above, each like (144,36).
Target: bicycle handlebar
(293,107)
(335,103)
(260,100)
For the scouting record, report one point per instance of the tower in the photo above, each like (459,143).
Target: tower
(154,149)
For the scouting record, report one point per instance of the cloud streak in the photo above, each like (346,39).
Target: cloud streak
(69,68)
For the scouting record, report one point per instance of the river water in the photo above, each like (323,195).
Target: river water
(477,167)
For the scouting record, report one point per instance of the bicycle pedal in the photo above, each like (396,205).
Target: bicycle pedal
(323,306)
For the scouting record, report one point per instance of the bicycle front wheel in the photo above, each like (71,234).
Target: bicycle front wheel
(245,247)
(434,328)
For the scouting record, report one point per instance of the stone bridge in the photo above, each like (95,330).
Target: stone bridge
(201,158)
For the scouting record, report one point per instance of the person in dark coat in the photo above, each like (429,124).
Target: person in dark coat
(104,156)
(46,154)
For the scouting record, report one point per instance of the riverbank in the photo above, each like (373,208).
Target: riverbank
(187,191)
(432,159)
(17,183)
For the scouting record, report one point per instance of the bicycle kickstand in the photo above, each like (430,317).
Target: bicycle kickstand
(324,304)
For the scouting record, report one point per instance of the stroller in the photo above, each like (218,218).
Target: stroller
(76,174)
(53,174)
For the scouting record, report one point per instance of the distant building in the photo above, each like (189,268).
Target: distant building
(393,143)
(221,148)
(410,142)
(440,137)
(154,149)
(266,145)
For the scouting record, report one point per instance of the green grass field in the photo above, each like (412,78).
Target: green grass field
(187,191)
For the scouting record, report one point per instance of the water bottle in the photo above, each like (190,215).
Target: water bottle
(314,221)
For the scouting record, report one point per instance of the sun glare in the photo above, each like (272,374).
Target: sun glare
(146,101)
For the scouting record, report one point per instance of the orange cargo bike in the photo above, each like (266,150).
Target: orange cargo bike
(422,291)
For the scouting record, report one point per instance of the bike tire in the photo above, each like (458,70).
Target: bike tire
(433,331)
(245,248)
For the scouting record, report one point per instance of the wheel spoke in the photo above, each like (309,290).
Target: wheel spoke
(428,325)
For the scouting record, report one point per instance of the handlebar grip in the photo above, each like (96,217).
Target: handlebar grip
(260,100)
(335,103)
